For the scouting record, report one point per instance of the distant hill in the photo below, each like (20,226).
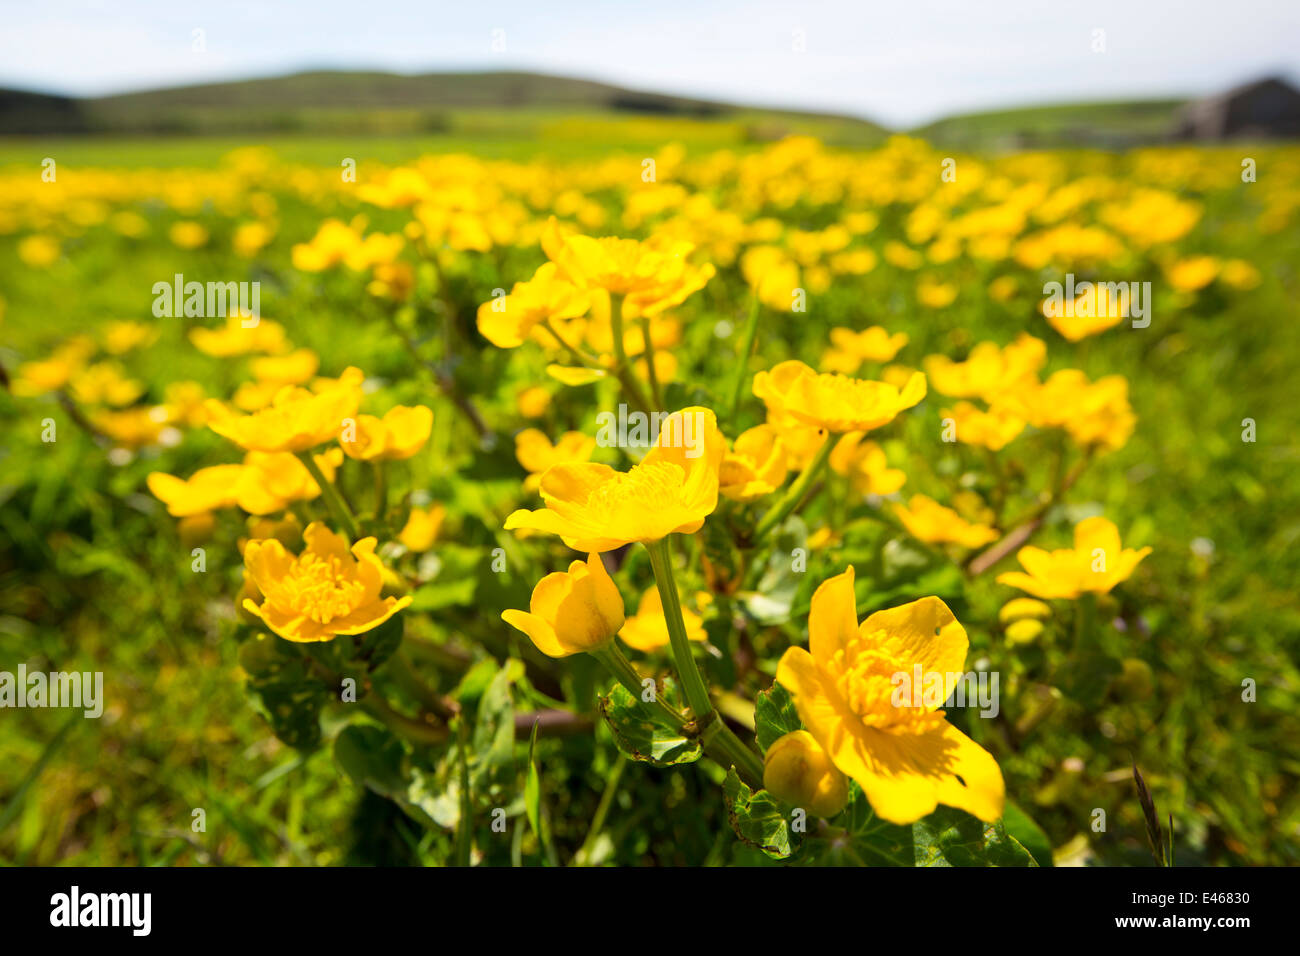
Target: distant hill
(1106,125)
(371,102)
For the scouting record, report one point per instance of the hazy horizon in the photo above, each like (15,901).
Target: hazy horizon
(899,67)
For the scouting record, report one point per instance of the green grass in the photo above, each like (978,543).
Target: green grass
(93,576)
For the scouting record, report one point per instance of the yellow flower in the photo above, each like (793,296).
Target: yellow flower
(38,251)
(124,336)
(850,349)
(236,339)
(400,434)
(1094,310)
(45,375)
(333,243)
(1189,275)
(755,466)
(674,488)
(422,527)
(899,748)
(571,611)
(1095,564)
(295,421)
(250,237)
(1021,608)
(647,630)
(1239,274)
(208,489)
(988,370)
(866,466)
(835,402)
(536,453)
(901,256)
(931,522)
(533,401)
(104,383)
(271,481)
(292,369)
(188,235)
(772,275)
(934,294)
(797,770)
(993,429)
(652,275)
(1024,631)
(323,592)
(507,321)
(1094,414)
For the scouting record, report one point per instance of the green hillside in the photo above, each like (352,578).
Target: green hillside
(506,104)
(1115,124)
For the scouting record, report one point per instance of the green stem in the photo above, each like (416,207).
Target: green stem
(622,368)
(614,660)
(602,810)
(794,494)
(381,490)
(742,364)
(333,500)
(716,738)
(651,372)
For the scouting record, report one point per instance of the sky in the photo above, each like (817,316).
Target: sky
(902,63)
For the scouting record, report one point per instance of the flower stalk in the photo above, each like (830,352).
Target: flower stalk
(333,500)
(794,494)
(716,738)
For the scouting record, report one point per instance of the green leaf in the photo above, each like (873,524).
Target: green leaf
(1027,833)
(947,837)
(533,787)
(640,735)
(758,818)
(291,695)
(951,837)
(493,741)
(372,757)
(377,760)
(774,715)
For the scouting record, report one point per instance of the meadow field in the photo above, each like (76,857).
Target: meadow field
(1098,514)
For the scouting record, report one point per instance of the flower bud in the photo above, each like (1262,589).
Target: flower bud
(572,611)
(798,771)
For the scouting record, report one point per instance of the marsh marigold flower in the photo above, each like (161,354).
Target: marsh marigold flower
(755,466)
(931,522)
(989,370)
(536,453)
(866,466)
(849,349)
(571,611)
(592,507)
(422,528)
(836,403)
(399,435)
(295,421)
(652,275)
(507,321)
(906,756)
(797,770)
(647,630)
(326,591)
(993,429)
(1094,565)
